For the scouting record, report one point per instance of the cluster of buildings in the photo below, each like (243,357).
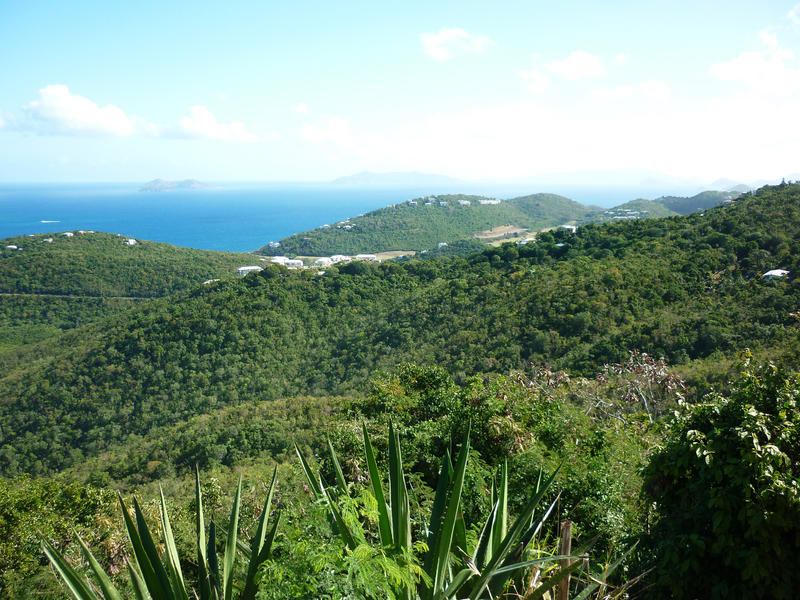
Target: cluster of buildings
(49,240)
(625,214)
(431,200)
(296,263)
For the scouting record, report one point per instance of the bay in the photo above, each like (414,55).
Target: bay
(230,217)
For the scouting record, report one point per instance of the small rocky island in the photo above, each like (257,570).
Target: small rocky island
(162,185)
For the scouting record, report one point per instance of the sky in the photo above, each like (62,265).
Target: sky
(310,91)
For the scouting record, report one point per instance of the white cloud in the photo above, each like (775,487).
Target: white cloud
(619,92)
(537,81)
(578,65)
(794,14)
(450,42)
(623,58)
(655,90)
(57,110)
(201,123)
(766,71)
(300,107)
(336,131)
(652,89)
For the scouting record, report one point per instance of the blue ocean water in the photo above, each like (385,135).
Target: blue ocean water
(229,217)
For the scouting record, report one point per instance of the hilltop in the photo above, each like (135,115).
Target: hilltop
(55,281)
(424,223)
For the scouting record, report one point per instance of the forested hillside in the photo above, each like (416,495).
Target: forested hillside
(685,288)
(701,201)
(103,264)
(50,286)
(423,223)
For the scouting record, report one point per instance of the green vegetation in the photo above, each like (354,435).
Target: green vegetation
(574,301)
(160,576)
(423,223)
(725,488)
(526,351)
(101,264)
(645,209)
(700,201)
(49,287)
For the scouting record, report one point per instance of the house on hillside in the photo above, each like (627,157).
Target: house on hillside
(571,228)
(367,257)
(323,262)
(67,234)
(293,263)
(775,274)
(337,258)
(464,202)
(130,242)
(248,269)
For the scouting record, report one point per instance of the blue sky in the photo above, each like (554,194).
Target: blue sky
(111,91)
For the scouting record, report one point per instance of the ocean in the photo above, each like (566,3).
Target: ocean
(232,217)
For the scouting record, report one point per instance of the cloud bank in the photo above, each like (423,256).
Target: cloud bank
(451,42)
(57,111)
(201,123)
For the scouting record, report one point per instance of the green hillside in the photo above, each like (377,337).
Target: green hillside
(641,208)
(574,301)
(102,264)
(530,348)
(423,223)
(701,201)
(50,286)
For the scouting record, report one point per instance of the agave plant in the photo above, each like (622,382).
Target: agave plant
(159,577)
(450,569)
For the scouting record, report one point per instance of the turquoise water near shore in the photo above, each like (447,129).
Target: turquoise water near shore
(229,217)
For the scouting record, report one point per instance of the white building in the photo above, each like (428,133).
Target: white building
(464,202)
(442,244)
(67,234)
(337,258)
(490,201)
(323,262)
(274,245)
(571,228)
(293,263)
(278,260)
(367,257)
(248,269)
(775,273)
(130,242)
(11,247)
(48,240)
(442,203)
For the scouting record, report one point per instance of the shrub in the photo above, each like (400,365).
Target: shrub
(725,492)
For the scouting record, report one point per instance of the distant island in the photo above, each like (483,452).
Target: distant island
(162,185)
(395,178)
